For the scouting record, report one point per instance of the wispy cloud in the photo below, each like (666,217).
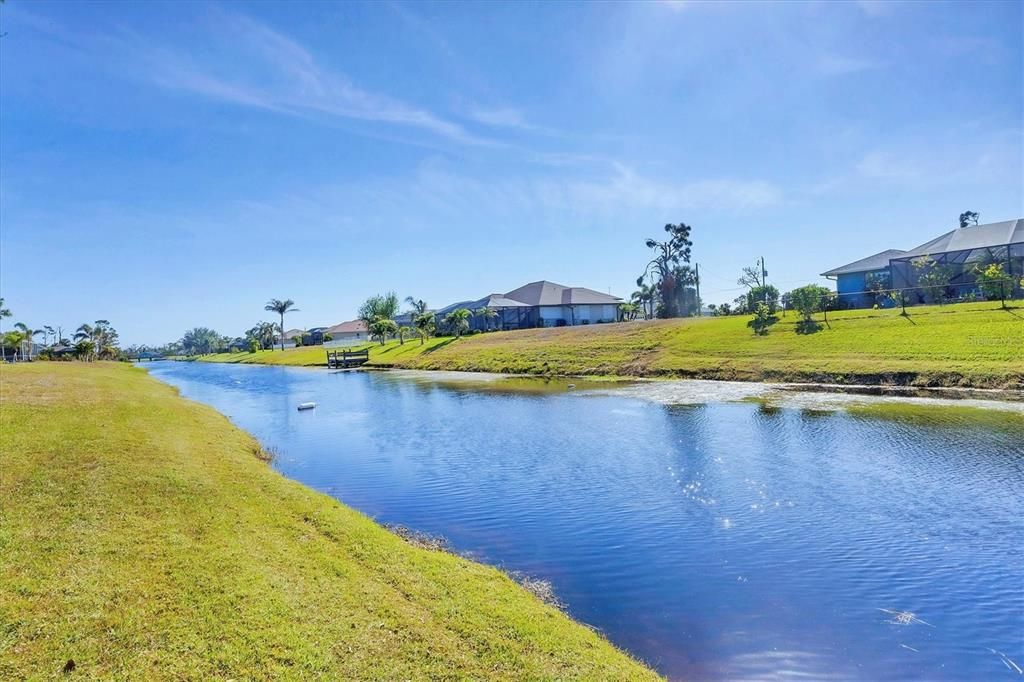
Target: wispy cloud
(619,190)
(503,117)
(247,63)
(942,160)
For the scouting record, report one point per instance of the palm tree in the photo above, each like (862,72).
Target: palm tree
(419,306)
(629,310)
(487,314)
(381,328)
(27,334)
(280,307)
(85,333)
(425,324)
(458,321)
(47,333)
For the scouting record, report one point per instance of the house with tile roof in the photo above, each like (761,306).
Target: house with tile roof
(540,304)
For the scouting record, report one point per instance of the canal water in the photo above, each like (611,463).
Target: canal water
(716,541)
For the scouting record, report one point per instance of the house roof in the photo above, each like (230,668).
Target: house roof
(292,333)
(879,261)
(973,237)
(454,306)
(535,294)
(352,326)
(550,293)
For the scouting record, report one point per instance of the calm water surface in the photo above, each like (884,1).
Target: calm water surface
(720,541)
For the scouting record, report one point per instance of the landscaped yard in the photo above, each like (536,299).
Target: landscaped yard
(141,537)
(967,344)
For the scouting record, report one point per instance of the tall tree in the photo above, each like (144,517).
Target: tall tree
(968,217)
(671,266)
(419,306)
(48,332)
(280,307)
(379,307)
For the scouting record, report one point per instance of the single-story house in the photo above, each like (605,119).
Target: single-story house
(961,250)
(289,335)
(354,330)
(540,304)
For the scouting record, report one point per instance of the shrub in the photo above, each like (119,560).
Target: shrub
(328,337)
(933,277)
(808,300)
(762,319)
(992,280)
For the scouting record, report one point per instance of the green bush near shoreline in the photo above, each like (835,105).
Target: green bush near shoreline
(142,538)
(966,344)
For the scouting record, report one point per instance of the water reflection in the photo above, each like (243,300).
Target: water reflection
(715,540)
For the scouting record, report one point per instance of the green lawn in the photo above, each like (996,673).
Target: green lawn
(967,344)
(141,537)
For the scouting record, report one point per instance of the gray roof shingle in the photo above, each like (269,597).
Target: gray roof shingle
(973,237)
(879,261)
(549,293)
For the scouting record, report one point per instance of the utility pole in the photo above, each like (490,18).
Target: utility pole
(764,280)
(696,277)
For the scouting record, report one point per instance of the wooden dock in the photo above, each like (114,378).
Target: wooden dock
(344,359)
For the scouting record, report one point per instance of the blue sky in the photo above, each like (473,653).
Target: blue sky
(172,165)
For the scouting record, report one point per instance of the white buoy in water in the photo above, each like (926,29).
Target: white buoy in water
(307,406)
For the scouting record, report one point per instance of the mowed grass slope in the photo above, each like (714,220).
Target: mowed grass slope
(141,538)
(966,344)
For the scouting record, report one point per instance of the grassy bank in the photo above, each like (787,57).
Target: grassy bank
(141,537)
(970,344)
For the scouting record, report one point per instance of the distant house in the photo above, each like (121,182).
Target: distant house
(289,335)
(354,330)
(540,304)
(962,250)
(314,336)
